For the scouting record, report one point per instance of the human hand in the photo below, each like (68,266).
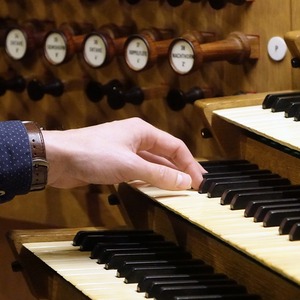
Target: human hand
(120,151)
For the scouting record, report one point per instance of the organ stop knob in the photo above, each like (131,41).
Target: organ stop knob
(36,89)
(16,84)
(292,39)
(177,99)
(61,45)
(95,91)
(100,47)
(218,4)
(142,50)
(118,97)
(187,55)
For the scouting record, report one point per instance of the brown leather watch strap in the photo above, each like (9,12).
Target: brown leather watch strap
(39,161)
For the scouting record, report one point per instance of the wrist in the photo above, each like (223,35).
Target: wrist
(38,153)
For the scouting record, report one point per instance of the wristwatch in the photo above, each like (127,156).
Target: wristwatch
(38,152)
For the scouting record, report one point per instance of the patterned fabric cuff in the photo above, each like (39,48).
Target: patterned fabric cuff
(15,160)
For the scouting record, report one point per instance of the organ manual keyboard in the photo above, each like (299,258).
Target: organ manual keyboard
(253,252)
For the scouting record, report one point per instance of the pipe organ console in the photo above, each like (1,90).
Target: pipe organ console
(238,240)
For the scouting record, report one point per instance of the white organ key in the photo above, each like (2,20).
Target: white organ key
(265,123)
(263,244)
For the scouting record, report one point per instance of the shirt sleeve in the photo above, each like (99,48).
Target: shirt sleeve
(15,160)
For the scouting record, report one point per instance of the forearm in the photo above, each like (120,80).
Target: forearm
(60,156)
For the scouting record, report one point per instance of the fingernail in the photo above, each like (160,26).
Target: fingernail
(183,181)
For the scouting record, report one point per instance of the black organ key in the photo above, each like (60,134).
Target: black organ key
(91,240)
(275,217)
(100,247)
(253,206)
(287,224)
(80,235)
(281,103)
(295,232)
(117,260)
(219,297)
(146,281)
(292,109)
(241,200)
(206,163)
(297,116)
(168,293)
(208,182)
(229,167)
(228,196)
(217,189)
(236,173)
(270,98)
(129,266)
(156,285)
(106,254)
(263,210)
(139,272)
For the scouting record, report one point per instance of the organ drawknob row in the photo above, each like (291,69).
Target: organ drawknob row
(117,92)
(143,50)
(140,51)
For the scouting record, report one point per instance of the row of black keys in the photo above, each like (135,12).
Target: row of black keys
(161,269)
(287,102)
(264,195)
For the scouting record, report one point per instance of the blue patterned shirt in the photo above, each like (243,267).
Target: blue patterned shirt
(15,160)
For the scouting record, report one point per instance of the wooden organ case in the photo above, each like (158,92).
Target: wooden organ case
(57,95)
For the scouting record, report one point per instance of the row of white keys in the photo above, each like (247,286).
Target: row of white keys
(261,243)
(84,273)
(264,122)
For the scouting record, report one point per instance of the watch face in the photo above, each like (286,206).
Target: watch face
(137,54)
(181,56)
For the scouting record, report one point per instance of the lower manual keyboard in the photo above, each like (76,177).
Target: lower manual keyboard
(136,277)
